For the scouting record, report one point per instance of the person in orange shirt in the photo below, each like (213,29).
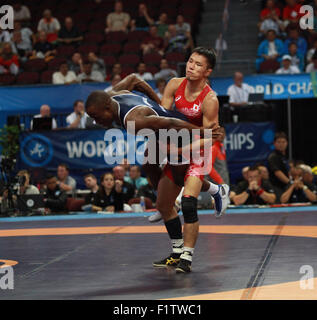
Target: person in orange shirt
(219,172)
(9,62)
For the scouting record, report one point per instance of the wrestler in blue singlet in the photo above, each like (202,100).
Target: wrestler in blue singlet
(127,102)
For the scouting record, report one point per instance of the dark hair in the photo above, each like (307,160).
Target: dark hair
(64,166)
(102,188)
(280,135)
(97,98)
(76,102)
(254,168)
(90,175)
(50,176)
(209,54)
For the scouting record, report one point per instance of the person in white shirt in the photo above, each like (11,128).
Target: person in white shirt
(287,67)
(142,72)
(312,67)
(64,76)
(311,52)
(21,12)
(90,76)
(45,111)
(239,92)
(77,119)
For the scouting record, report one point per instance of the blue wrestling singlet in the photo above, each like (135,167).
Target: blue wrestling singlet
(127,102)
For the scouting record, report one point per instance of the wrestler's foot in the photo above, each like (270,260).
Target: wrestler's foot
(171,261)
(156,217)
(222,200)
(184,266)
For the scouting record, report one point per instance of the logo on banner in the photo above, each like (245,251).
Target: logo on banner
(36,150)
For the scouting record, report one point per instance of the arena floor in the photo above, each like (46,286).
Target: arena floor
(248,254)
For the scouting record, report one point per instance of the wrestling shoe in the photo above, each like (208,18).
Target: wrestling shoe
(171,261)
(184,266)
(156,217)
(222,200)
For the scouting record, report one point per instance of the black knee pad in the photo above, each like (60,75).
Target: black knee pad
(189,208)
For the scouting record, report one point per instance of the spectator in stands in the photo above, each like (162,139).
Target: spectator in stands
(312,67)
(76,63)
(176,42)
(297,190)
(165,72)
(147,191)
(55,198)
(64,76)
(115,80)
(239,91)
(142,72)
(311,52)
(69,34)
(65,181)
(109,196)
(219,173)
(291,12)
(257,191)
(297,57)
(308,176)
(9,62)
(42,49)
(184,28)
(240,183)
(162,25)
(24,186)
(153,43)
(22,39)
(116,69)
(21,12)
(92,185)
(45,112)
(78,118)
(264,172)
(90,76)
(294,37)
(118,20)
(50,25)
(287,67)
(278,164)
(127,188)
(5,36)
(270,19)
(143,21)
(269,49)
(135,178)
(97,64)
(160,86)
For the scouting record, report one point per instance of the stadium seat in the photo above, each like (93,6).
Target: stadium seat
(7,79)
(109,60)
(175,57)
(152,58)
(129,59)
(95,38)
(152,68)
(86,48)
(54,64)
(116,37)
(65,51)
(137,36)
(132,47)
(46,76)
(127,70)
(111,49)
(37,65)
(269,66)
(27,78)
(74,204)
